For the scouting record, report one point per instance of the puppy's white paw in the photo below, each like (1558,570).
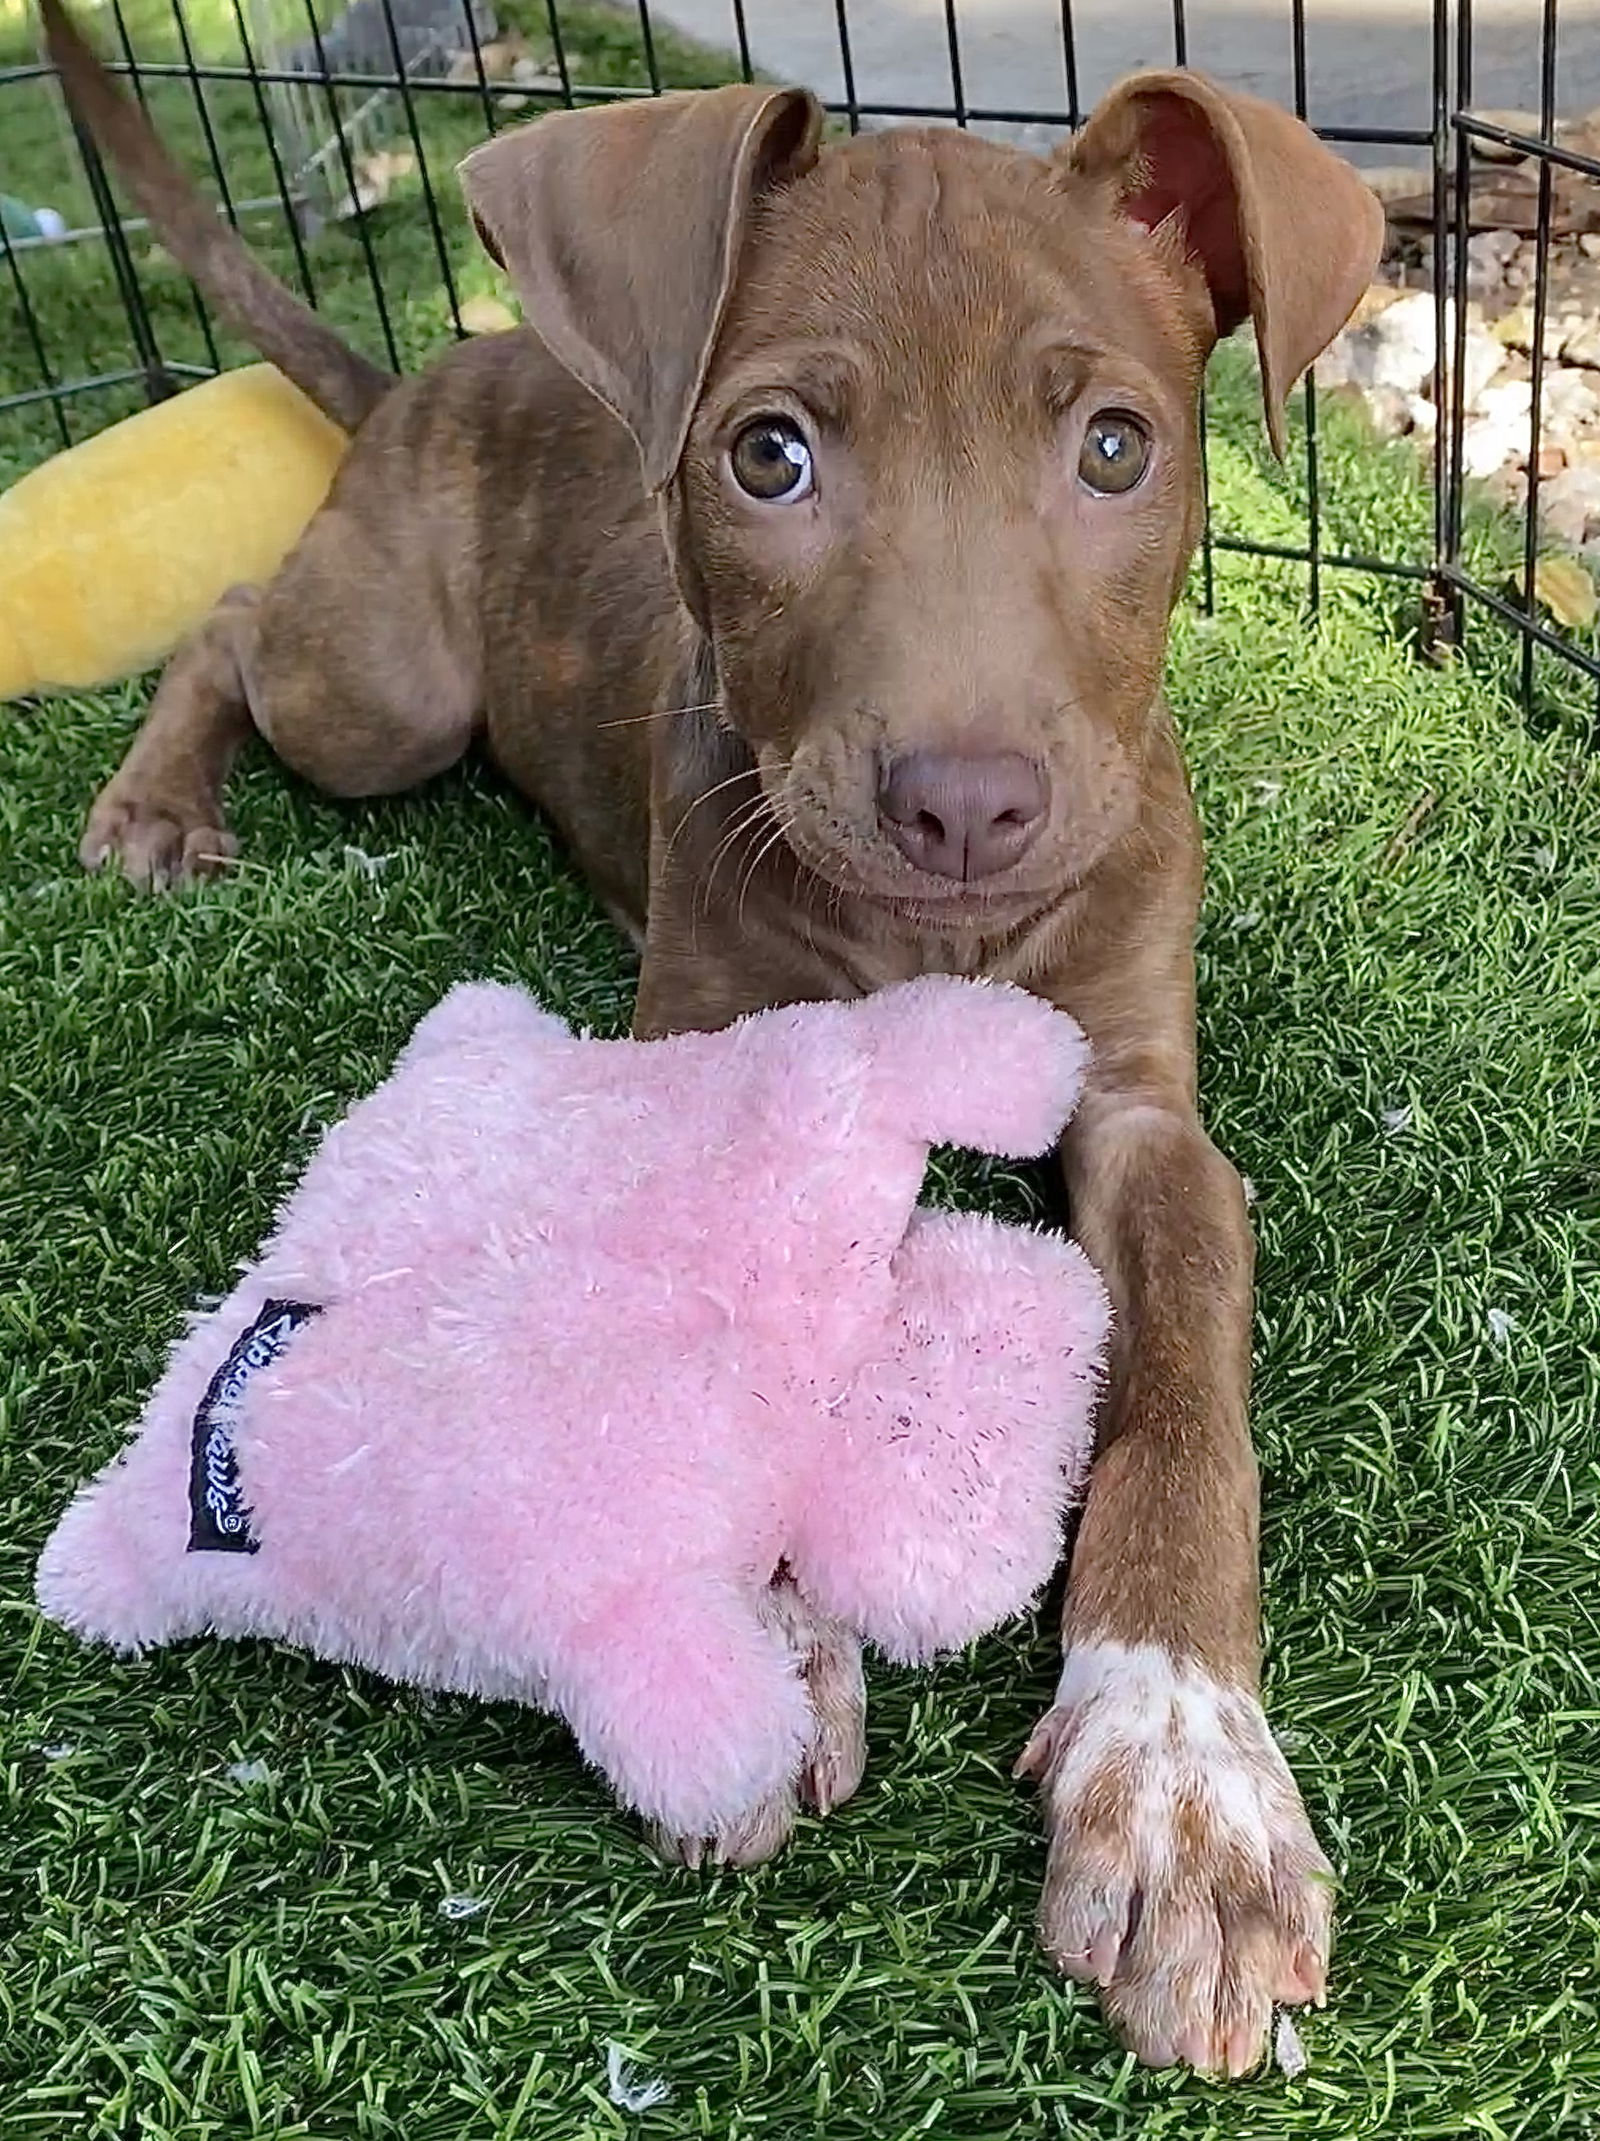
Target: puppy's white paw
(1183,1876)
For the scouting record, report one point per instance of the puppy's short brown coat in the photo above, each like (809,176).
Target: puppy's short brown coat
(809,559)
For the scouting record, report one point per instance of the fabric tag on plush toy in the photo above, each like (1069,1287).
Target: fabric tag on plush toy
(219,1522)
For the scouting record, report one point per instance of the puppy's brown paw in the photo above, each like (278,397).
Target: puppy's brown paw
(156,840)
(829,1657)
(837,1757)
(1183,1877)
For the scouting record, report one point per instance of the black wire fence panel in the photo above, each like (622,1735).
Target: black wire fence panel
(329,132)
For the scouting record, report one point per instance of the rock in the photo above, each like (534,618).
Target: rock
(1507,196)
(1508,486)
(1582,348)
(1562,587)
(1506,398)
(1333,367)
(1486,448)
(1395,349)
(1515,330)
(1481,358)
(533,78)
(1398,182)
(1498,431)
(1570,402)
(1582,136)
(1569,504)
(1392,353)
(1510,122)
(1391,414)
(1376,298)
(1424,416)
(1552,460)
(376,174)
(1388,411)
(495,58)
(502,60)
(1493,247)
(1522,266)
(1489,254)
(485,315)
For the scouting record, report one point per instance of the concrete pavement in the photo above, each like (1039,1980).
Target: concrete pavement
(1368,61)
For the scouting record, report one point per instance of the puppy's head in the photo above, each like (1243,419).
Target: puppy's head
(922,415)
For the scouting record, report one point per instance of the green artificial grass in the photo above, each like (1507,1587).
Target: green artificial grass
(229,1876)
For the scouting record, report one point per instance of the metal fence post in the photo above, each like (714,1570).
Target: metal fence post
(1441,632)
(159,384)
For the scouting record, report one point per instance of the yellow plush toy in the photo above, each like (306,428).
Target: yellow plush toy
(112,553)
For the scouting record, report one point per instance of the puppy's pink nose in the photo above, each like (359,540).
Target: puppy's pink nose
(963,816)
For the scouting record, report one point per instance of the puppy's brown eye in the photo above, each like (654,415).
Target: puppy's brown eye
(1116,453)
(772,462)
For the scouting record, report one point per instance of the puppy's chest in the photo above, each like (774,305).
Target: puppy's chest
(872,950)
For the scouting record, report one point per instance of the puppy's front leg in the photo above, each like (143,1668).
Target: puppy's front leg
(1183,1876)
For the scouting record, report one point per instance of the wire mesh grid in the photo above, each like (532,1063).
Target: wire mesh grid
(330,131)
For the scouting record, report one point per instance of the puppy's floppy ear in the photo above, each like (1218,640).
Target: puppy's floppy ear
(621,228)
(1283,231)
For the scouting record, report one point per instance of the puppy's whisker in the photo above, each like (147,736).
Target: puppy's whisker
(660,713)
(743,826)
(746,773)
(780,831)
(748,815)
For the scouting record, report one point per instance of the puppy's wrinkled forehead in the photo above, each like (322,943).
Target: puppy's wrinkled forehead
(944,261)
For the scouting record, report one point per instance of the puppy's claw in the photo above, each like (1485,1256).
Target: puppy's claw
(1105,1952)
(1302,1981)
(1193,2049)
(156,844)
(1244,2052)
(760,1836)
(1034,1759)
(751,1840)
(833,1769)
(686,1851)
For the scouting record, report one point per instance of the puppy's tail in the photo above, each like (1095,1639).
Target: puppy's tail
(253,302)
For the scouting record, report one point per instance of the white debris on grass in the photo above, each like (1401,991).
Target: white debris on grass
(627,2088)
(248,1773)
(368,865)
(1500,1325)
(457,1908)
(1287,2049)
(1397,1120)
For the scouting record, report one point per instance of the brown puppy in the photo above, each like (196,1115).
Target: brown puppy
(809,559)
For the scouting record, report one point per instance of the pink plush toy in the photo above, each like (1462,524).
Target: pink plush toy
(562,1346)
